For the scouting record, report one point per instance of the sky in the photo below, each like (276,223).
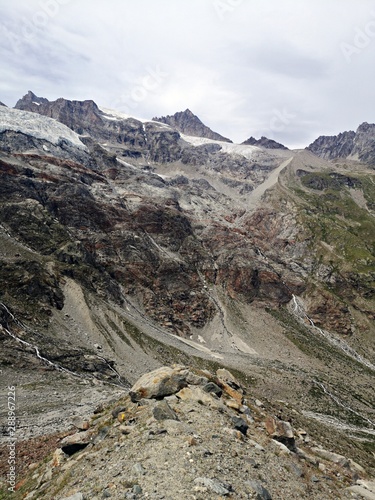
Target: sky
(290,70)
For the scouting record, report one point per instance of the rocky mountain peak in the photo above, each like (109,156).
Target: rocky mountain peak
(29,101)
(264,142)
(2,104)
(188,123)
(63,110)
(359,145)
(334,146)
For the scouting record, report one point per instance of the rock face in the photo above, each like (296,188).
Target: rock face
(189,124)
(264,142)
(127,135)
(357,145)
(335,146)
(364,141)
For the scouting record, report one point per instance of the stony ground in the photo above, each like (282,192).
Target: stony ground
(181,434)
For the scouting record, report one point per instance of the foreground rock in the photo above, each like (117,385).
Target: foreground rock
(159,383)
(180,441)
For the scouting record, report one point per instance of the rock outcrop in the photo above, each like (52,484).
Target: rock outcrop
(127,136)
(335,146)
(189,124)
(359,145)
(264,142)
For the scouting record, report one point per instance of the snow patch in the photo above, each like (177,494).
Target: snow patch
(164,177)
(226,147)
(38,126)
(112,114)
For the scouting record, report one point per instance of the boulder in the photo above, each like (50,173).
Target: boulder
(331,457)
(198,395)
(259,489)
(80,423)
(76,442)
(240,425)
(159,383)
(230,384)
(281,431)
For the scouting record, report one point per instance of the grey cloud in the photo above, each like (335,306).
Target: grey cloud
(239,71)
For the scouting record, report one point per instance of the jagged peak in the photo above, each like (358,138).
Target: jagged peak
(359,144)
(188,123)
(32,99)
(264,142)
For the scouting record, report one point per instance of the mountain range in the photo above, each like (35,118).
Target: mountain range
(129,244)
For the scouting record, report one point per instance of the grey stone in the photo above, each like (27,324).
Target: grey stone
(240,425)
(137,490)
(332,457)
(259,489)
(212,388)
(163,411)
(193,379)
(76,496)
(297,470)
(364,492)
(138,469)
(213,484)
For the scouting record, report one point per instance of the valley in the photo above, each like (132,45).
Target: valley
(128,245)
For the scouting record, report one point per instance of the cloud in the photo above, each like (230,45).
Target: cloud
(251,68)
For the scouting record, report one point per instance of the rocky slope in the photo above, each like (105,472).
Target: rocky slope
(264,142)
(188,123)
(133,246)
(359,145)
(184,433)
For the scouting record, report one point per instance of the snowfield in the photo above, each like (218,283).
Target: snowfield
(226,147)
(38,126)
(112,114)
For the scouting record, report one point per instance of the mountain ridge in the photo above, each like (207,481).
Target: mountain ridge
(359,145)
(264,142)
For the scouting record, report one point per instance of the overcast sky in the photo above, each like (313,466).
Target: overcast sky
(287,69)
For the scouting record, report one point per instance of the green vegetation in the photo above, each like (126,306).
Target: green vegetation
(334,218)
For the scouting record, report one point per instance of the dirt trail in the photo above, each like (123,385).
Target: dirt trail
(256,195)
